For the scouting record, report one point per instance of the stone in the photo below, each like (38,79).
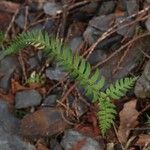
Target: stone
(7,120)
(50,100)
(9,141)
(55,73)
(7,67)
(107,7)
(9,130)
(27,98)
(52,8)
(132,6)
(147,24)
(142,87)
(72,138)
(148,1)
(33,62)
(20,20)
(75,43)
(44,122)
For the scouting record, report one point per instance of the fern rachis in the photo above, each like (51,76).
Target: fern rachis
(80,70)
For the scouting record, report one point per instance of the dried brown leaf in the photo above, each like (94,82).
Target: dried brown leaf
(128,120)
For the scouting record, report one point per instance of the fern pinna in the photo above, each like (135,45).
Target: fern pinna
(80,70)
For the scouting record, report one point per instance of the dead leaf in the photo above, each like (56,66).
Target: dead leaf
(128,120)
(144,139)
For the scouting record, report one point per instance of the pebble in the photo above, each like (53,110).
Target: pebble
(73,138)
(147,24)
(7,67)
(27,98)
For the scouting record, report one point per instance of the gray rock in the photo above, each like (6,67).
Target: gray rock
(102,22)
(20,20)
(96,57)
(147,23)
(27,98)
(107,7)
(33,62)
(12,142)
(7,120)
(72,138)
(50,100)
(75,43)
(132,6)
(148,1)
(7,67)
(55,74)
(52,8)
(9,126)
(127,31)
(142,87)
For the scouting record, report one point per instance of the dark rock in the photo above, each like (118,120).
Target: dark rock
(33,62)
(73,138)
(7,68)
(75,43)
(127,31)
(80,107)
(54,145)
(50,100)
(147,24)
(9,141)
(142,87)
(96,57)
(55,74)
(27,98)
(103,22)
(52,8)
(132,6)
(107,7)
(7,120)
(9,126)
(97,26)
(20,20)
(43,123)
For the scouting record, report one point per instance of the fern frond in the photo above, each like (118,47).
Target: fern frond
(120,88)
(79,69)
(106,113)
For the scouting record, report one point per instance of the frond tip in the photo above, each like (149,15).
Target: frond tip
(120,88)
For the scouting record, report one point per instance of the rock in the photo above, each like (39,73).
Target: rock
(20,20)
(52,8)
(142,87)
(33,62)
(75,43)
(9,126)
(44,122)
(9,141)
(54,145)
(147,24)
(54,74)
(132,6)
(148,1)
(72,139)
(27,98)
(50,100)
(97,26)
(7,120)
(106,7)
(102,22)
(127,31)
(7,67)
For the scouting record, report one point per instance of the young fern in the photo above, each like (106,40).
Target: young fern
(80,70)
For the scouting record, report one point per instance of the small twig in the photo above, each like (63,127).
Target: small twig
(11,23)
(26,18)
